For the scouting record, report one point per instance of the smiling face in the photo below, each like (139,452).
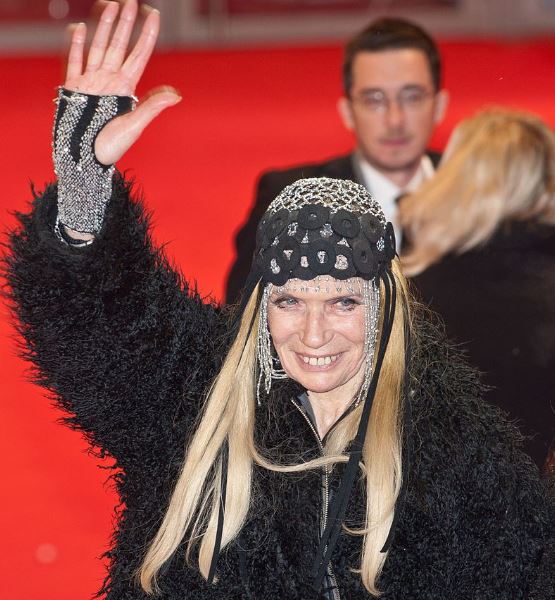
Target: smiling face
(318,331)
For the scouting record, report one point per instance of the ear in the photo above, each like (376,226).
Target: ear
(441,103)
(346,113)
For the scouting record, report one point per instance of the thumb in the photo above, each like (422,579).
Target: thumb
(153,104)
(122,132)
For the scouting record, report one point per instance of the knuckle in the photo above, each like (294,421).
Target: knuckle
(119,43)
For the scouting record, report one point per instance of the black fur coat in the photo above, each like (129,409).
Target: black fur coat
(128,348)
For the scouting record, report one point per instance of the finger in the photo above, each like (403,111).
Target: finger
(137,60)
(121,133)
(76,49)
(163,94)
(98,9)
(148,109)
(101,36)
(118,46)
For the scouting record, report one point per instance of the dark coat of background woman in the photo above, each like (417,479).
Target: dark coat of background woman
(484,259)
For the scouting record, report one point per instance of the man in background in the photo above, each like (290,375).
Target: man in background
(392,101)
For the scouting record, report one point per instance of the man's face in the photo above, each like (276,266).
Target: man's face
(393,107)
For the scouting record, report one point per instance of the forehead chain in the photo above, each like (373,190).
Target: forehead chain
(321,283)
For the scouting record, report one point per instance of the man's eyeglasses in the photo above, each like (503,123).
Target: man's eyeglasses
(377,101)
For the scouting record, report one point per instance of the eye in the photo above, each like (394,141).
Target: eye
(347,303)
(413,97)
(373,100)
(284,302)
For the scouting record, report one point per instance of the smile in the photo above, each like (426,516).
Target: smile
(319,361)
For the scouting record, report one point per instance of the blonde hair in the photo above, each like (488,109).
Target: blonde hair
(192,513)
(498,166)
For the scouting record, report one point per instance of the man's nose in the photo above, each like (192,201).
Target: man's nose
(395,114)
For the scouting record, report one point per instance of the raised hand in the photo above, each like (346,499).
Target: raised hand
(110,70)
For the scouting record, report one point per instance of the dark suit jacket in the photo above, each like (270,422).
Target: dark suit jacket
(269,186)
(498,302)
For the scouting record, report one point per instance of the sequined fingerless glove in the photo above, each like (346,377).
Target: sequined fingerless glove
(84,184)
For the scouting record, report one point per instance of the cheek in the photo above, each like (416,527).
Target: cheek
(423,126)
(358,342)
(366,128)
(353,332)
(282,330)
(281,326)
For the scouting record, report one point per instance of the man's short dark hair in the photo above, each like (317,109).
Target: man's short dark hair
(391,34)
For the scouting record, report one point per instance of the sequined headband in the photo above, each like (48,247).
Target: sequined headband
(323,226)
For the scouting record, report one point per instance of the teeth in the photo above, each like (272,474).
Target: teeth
(320,361)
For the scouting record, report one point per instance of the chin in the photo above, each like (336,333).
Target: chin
(319,389)
(399,162)
(318,385)
(398,159)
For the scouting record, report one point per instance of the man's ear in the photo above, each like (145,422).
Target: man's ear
(345,111)
(441,103)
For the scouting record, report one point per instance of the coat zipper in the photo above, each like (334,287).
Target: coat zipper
(325,498)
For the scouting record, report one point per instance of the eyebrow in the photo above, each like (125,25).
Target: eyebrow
(347,295)
(408,86)
(284,294)
(338,296)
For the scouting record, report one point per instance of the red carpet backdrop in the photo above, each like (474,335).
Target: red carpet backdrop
(243,111)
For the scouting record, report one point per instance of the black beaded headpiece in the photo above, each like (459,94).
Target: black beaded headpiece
(332,227)
(323,226)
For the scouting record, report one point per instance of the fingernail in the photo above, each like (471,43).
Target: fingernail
(73,27)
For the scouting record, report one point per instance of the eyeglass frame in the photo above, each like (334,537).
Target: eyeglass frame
(383,105)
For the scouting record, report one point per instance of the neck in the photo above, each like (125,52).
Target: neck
(399,177)
(329,406)
(326,413)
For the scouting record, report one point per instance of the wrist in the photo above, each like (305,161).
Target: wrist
(84,184)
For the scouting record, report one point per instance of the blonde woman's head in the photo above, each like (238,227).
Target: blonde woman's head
(498,166)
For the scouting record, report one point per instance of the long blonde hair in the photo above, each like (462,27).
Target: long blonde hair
(498,166)
(229,410)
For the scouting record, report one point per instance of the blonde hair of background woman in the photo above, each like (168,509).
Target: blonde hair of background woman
(498,166)
(229,413)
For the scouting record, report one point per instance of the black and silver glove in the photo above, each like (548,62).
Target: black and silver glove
(84,184)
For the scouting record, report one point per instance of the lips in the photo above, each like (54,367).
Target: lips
(395,141)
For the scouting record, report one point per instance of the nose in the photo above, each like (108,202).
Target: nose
(315,332)
(395,114)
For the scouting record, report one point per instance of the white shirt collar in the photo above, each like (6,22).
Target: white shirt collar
(386,192)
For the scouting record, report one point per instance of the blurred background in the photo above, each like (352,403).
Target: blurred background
(260,81)
(36,24)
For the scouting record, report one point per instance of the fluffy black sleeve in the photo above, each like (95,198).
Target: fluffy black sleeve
(486,499)
(116,335)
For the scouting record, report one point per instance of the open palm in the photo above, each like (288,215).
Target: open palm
(109,69)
